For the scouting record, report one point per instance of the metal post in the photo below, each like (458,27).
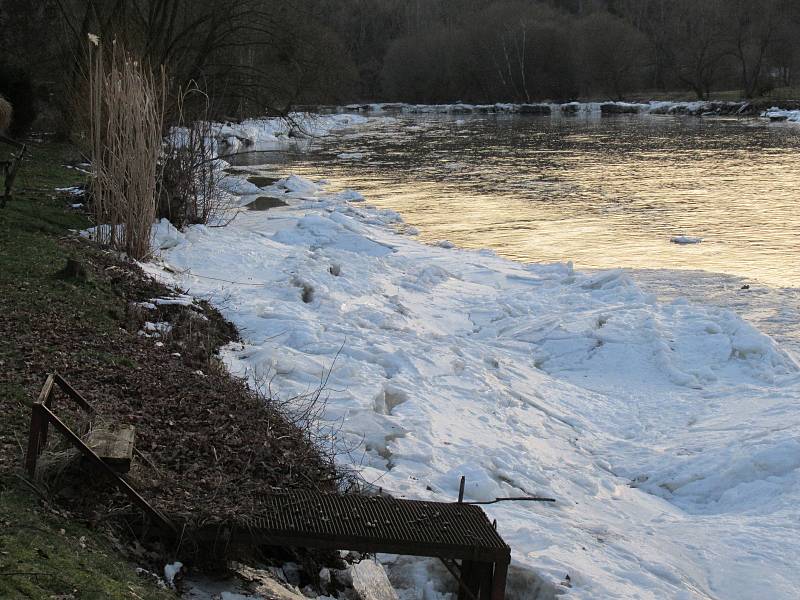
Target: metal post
(470,580)
(461,489)
(499,581)
(486,581)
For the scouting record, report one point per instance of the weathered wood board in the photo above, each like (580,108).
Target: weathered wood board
(114,444)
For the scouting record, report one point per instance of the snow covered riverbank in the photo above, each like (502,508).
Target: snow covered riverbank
(779,114)
(275,133)
(667,432)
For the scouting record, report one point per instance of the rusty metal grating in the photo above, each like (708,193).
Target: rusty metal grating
(376,524)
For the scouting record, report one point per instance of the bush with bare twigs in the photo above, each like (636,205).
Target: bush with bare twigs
(18,90)
(126,120)
(5,114)
(188,187)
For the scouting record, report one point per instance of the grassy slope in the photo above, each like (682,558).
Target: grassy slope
(213,446)
(42,553)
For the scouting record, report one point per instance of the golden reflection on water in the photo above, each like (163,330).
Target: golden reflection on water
(603,193)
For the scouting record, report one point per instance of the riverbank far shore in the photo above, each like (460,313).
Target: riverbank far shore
(665,431)
(774,110)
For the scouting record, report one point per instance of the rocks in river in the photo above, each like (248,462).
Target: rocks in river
(262,180)
(685,239)
(620,108)
(359,107)
(570,108)
(535,109)
(265,203)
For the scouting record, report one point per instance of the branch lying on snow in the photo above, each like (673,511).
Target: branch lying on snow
(304,411)
(523,499)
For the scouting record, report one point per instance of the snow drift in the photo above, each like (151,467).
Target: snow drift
(667,432)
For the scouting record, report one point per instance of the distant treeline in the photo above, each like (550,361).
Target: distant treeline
(250,55)
(516,50)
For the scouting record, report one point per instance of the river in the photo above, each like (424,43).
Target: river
(600,192)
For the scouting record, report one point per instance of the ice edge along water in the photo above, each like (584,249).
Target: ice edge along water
(668,432)
(654,107)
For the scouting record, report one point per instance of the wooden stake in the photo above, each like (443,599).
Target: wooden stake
(35,443)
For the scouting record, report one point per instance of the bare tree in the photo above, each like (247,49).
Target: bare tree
(612,54)
(752,30)
(697,43)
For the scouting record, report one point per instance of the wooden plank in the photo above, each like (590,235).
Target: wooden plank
(135,497)
(469,584)
(486,582)
(114,444)
(45,397)
(47,389)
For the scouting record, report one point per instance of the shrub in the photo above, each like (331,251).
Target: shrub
(16,87)
(188,191)
(5,115)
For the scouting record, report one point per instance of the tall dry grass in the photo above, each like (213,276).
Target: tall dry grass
(126,107)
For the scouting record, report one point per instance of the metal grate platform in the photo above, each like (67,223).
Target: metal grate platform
(376,524)
(383,524)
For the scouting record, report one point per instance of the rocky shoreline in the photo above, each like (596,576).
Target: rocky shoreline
(755,108)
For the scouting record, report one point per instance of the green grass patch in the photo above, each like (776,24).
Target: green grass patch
(30,255)
(43,555)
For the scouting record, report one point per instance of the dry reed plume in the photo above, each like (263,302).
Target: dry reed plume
(126,110)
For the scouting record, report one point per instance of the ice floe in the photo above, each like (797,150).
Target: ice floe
(778,114)
(685,239)
(350,156)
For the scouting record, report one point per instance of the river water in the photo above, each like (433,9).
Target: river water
(601,192)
